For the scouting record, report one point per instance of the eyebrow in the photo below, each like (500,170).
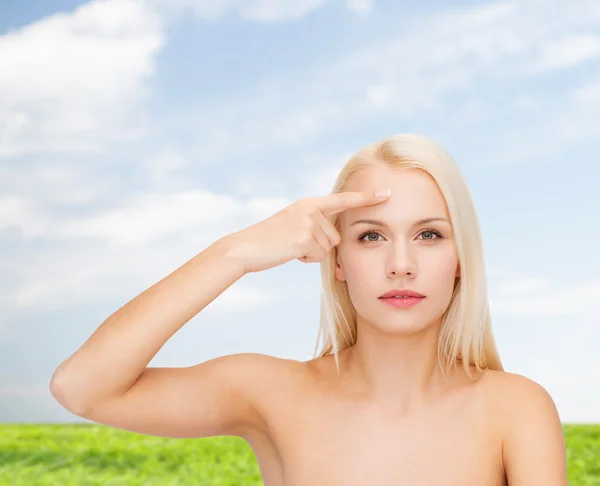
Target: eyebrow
(381,223)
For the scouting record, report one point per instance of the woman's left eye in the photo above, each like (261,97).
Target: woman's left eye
(432,232)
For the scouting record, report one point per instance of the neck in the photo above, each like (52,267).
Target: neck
(397,372)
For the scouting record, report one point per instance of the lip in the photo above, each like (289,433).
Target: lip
(405,302)
(407,292)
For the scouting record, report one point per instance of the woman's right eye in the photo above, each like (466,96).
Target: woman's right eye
(360,238)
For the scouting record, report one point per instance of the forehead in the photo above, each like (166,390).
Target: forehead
(415,194)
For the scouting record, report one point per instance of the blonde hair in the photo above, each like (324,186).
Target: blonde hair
(465,335)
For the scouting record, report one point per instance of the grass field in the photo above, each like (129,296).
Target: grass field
(88,454)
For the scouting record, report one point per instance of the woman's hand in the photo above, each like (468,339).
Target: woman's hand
(299,231)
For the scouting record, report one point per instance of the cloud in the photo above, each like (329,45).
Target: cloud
(524,284)
(570,51)
(122,250)
(587,94)
(72,81)
(27,189)
(79,275)
(321,172)
(253,10)
(274,10)
(141,219)
(362,7)
(114,45)
(537,297)
(96,61)
(164,164)
(399,76)
(116,250)
(579,121)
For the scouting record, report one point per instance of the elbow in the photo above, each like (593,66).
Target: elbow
(64,392)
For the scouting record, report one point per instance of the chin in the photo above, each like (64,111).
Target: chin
(401,326)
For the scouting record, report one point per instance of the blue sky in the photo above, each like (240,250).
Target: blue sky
(133,134)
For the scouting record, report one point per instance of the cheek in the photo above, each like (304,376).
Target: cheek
(358,270)
(446,265)
(360,275)
(441,272)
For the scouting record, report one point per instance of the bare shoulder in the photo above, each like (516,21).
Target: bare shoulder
(533,444)
(516,396)
(273,380)
(507,386)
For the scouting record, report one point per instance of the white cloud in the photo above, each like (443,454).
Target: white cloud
(405,75)
(121,250)
(108,252)
(382,94)
(567,52)
(18,212)
(531,297)
(141,219)
(209,9)
(319,181)
(362,7)
(274,10)
(47,185)
(588,93)
(254,181)
(578,122)
(117,250)
(524,284)
(266,11)
(149,217)
(77,275)
(73,80)
(164,164)
(253,10)
(445,54)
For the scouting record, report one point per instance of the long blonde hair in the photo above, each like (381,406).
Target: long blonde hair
(465,335)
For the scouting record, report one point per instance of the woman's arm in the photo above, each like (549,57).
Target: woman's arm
(114,357)
(533,449)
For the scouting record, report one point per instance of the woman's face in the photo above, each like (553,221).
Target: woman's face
(402,253)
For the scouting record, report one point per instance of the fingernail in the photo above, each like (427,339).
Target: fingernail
(383,193)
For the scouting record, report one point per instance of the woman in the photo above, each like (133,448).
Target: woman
(407,388)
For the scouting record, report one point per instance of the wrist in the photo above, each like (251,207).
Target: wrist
(229,249)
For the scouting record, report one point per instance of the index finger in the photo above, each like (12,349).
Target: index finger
(341,201)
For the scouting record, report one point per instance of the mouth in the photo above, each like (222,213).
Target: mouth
(402,297)
(402,301)
(401,293)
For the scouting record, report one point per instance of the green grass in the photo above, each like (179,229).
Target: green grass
(583,454)
(88,454)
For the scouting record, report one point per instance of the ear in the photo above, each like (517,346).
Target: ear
(339,270)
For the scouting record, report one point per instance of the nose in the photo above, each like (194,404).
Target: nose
(400,260)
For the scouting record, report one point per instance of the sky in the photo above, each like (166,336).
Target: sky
(135,133)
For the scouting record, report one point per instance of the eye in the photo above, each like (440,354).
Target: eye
(431,232)
(360,238)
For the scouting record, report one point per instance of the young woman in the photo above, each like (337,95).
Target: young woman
(407,388)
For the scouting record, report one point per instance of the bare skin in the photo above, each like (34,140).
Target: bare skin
(390,418)
(321,430)
(306,425)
